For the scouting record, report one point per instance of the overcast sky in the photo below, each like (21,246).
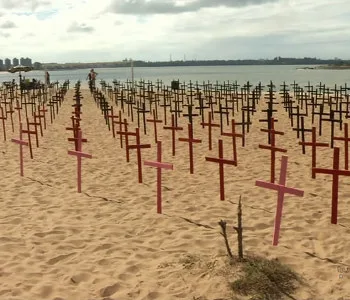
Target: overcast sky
(111,30)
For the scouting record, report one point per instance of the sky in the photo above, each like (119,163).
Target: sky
(157,30)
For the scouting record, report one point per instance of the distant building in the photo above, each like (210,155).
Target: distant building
(7,63)
(2,65)
(15,62)
(37,66)
(22,60)
(28,62)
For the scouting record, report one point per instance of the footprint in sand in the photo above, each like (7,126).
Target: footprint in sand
(44,234)
(56,259)
(109,290)
(80,278)
(46,291)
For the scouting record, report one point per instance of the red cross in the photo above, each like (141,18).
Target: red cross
(126,133)
(346,140)
(173,129)
(121,123)
(282,190)
(190,140)
(79,154)
(159,165)
(221,162)
(21,143)
(138,147)
(335,172)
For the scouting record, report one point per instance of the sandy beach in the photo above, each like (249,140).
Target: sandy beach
(109,242)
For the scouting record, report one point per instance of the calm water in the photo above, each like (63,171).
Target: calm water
(241,74)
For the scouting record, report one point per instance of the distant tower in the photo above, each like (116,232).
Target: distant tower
(15,62)
(7,63)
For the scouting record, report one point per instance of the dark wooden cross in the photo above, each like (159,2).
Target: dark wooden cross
(190,140)
(314,145)
(302,129)
(190,113)
(210,125)
(272,147)
(233,134)
(155,121)
(173,129)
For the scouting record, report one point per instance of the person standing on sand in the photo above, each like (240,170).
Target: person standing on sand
(92,78)
(47,78)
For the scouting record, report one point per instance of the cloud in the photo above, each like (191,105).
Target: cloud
(75,27)
(8,25)
(154,29)
(5,35)
(144,7)
(24,4)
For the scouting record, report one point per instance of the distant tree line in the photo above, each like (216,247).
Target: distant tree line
(177,63)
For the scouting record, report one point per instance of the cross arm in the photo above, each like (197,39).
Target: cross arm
(139,146)
(279,188)
(20,142)
(221,160)
(80,154)
(159,165)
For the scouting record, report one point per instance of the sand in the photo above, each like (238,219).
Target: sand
(109,243)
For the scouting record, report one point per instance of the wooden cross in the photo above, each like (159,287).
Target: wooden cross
(138,147)
(3,118)
(111,116)
(143,111)
(346,140)
(155,121)
(30,132)
(173,129)
(21,143)
(335,172)
(121,123)
(210,125)
(19,108)
(221,161)
(159,165)
(201,107)
(43,116)
(233,134)
(79,154)
(314,144)
(190,140)
(272,147)
(222,112)
(282,190)
(302,129)
(75,128)
(190,113)
(126,133)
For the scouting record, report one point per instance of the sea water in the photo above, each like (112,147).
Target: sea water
(200,74)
